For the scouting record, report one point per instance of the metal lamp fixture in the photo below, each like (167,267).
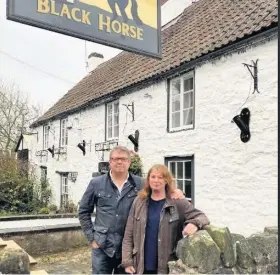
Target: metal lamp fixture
(135,140)
(242,122)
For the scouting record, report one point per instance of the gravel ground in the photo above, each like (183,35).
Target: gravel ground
(74,261)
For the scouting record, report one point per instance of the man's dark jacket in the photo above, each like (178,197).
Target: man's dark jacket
(112,210)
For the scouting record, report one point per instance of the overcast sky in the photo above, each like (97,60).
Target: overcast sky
(54,53)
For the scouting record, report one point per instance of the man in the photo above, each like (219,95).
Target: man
(113,195)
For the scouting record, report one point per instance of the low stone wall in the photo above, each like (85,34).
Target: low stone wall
(49,240)
(210,251)
(217,251)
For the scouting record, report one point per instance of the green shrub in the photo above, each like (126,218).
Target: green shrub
(44,210)
(136,165)
(71,207)
(21,192)
(53,207)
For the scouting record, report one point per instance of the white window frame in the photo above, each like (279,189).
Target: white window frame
(114,135)
(182,78)
(63,132)
(46,133)
(182,160)
(64,190)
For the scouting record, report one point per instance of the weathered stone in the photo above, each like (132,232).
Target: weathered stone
(199,251)
(14,262)
(178,267)
(264,248)
(223,270)
(243,251)
(271,230)
(223,239)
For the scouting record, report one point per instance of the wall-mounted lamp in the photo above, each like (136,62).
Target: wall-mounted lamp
(242,121)
(51,150)
(82,146)
(135,140)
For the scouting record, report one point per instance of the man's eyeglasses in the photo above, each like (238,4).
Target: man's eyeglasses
(119,159)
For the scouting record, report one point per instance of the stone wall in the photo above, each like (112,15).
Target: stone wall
(216,250)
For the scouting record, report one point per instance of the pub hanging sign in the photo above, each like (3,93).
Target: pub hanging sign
(132,25)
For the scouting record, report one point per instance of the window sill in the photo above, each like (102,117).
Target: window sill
(187,128)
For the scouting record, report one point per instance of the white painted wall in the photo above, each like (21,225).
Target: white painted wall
(235,182)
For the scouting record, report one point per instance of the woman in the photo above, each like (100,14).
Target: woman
(155,225)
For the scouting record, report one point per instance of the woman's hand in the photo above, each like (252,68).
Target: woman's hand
(190,229)
(130,270)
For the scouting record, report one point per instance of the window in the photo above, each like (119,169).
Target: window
(63,132)
(112,122)
(182,170)
(45,137)
(64,190)
(181,99)
(44,173)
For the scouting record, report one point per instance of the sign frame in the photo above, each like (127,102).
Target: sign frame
(45,26)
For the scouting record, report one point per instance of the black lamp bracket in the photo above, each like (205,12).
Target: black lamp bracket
(242,121)
(82,146)
(130,108)
(254,74)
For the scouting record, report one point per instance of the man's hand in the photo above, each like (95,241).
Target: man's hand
(94,245)
(130,270)
(177,194)
(190,229)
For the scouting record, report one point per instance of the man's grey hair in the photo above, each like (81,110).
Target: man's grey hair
(120,149)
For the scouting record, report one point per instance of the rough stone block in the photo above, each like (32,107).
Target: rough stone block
(243,251)
(14,262)
(271,230)
(223,239)
(264,248)
(199,251)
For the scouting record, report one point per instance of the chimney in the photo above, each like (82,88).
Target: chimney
(94,59)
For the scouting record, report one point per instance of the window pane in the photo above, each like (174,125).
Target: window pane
(116,119)
(110,132)
(176,120)
(188,170)
(110,122)
(116,107)
(179,170)
(175,103)
(188,84)
(172,169)
(110,109)
(116,131)
(187,116)
(180,184)
(188,188)
(175,87)
(188,100)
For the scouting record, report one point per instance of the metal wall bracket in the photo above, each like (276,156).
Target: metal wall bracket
(254,74)
(242,121)
(135,140)
(130,108)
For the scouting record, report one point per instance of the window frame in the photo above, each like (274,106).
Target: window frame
(182,77)
(185,158)
(65,137)
(46,135)
(64,196)
(113,137)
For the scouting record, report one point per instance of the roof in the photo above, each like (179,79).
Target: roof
(203,27)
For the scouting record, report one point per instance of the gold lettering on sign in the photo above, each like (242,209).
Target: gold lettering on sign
(105,24)
(71,13)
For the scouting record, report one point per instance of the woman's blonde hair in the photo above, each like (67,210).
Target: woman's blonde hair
(167,176)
